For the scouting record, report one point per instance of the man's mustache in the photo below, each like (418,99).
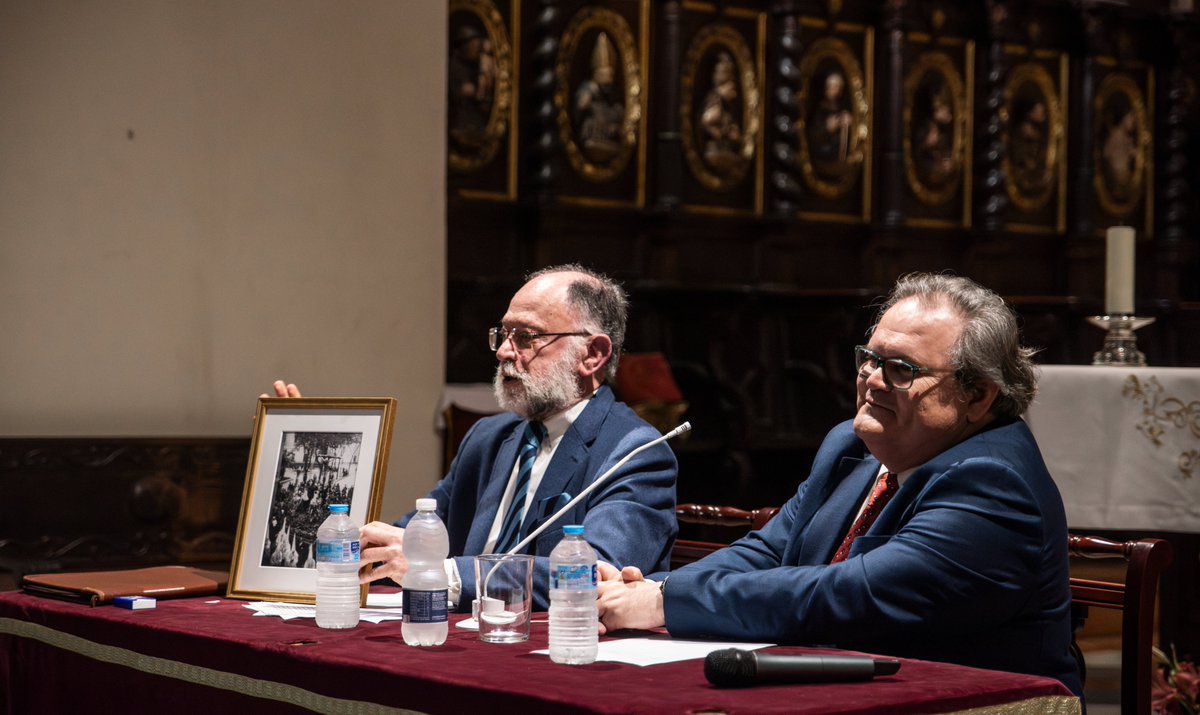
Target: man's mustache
(508,369)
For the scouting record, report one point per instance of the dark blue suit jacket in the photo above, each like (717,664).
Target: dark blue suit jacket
(629,521)
(966,564)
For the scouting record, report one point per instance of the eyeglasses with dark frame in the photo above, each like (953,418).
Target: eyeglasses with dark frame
(897,374)
(523,337)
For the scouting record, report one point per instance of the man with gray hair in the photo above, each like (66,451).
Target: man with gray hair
(557,347)
(928,526)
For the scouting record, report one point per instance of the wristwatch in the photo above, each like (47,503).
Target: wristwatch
(662,585)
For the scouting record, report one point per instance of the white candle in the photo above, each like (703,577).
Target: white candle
(1118,274)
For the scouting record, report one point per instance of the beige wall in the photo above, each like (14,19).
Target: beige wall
(198,196)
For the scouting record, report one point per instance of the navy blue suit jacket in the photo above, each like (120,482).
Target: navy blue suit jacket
(966,564)
(629,520)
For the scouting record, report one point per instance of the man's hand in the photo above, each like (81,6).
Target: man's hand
(381,544)
(283,389)
(627,600)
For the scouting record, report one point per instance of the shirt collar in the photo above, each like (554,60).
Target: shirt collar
(900,476)
(556,425)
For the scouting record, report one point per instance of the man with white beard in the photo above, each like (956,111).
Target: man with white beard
(558,347)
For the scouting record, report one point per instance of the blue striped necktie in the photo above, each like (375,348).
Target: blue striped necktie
(510,532)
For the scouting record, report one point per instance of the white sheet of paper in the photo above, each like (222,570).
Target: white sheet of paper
(385,600)
(288,611)
(653,650)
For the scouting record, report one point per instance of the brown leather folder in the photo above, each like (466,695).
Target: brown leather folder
(96,588)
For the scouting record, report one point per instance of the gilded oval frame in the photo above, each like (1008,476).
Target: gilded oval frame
(859,134)
(502,103)
(1116,87)
(618,29)
(710,37)
(1030,191)
(943,65)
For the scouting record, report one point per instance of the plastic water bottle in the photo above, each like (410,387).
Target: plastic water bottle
(425,584)
(573,616)
(338,591)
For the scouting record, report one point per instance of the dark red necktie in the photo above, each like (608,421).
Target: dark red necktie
(884,489)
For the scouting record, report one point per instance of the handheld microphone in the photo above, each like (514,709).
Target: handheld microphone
(734,667)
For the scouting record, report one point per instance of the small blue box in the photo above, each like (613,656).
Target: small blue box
(134,603)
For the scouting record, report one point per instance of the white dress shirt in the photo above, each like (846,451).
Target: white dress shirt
(556,426)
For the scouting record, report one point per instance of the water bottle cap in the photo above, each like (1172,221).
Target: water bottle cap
(339,508)
(426,504)
(573,530)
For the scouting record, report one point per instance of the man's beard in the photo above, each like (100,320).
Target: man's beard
(536,397)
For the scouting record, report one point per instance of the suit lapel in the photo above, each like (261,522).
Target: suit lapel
(493,492)
(570,456)
(831,521)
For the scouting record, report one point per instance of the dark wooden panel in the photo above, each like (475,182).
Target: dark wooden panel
(757,313)
(76,503)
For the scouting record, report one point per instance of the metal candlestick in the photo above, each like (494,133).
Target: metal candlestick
(1120,344)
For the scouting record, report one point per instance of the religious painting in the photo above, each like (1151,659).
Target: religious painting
(1034,114)
(600,103)
(481,103)
(833,125)
(306,454)
(937,134)
(721,110)
(1122,145)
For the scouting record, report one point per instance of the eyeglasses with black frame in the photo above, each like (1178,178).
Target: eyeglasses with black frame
(897,374)
(523,337)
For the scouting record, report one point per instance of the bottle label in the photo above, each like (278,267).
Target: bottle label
(574,577)
(338,551)
(424,606)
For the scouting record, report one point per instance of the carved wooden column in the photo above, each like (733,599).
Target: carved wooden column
(1082,172)
(543,144)
(891,129)
(991,197)
(668,150)
(784,186)
(1175,249)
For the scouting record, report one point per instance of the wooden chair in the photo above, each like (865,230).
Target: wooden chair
(688,550)
(1145,560)
(458,421)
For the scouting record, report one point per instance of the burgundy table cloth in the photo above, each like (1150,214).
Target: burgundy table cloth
(195,655)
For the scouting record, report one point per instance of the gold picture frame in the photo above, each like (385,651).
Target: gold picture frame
(1122,148)
(1034,114)
(834,126)
(599,136)
(721,145)
(481,106)
(306,453)
(937,130)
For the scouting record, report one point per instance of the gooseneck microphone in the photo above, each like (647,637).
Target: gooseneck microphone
(734,667)
(591,487)
(482,587)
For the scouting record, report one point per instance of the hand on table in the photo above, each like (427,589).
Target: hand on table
(625,599)
(381,549)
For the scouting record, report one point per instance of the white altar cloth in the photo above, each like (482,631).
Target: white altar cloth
(1123,444)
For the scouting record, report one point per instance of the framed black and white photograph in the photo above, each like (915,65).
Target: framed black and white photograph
(306,454)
